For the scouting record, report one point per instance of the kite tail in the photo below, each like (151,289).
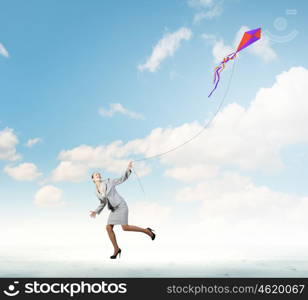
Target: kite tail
(216,79)
(215,73)
(219,68)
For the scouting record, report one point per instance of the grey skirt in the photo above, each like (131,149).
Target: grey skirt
(119,215)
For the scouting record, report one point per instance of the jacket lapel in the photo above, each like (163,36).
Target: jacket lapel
(107,187)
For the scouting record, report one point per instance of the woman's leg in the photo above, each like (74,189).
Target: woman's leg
(112,237)
(136,228)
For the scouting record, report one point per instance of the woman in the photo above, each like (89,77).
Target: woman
(107,194)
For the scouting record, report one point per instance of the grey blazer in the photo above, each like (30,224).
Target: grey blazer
(108,187)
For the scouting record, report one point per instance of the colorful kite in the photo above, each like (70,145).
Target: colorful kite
(248,38)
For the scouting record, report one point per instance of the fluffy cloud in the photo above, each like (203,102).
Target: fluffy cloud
(262,48)
(23,172)
(248,138)
(8,142)
(213,12)
(143,212)
(119,108)
(193,173)
(3,51)
(164,48)
(240,213)
(200,3)
(69,171)
(49,196)
(207,9)
(31,142)
(76,163)
(219,50)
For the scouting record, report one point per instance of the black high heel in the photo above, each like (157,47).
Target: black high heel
(154,235)
(115,255)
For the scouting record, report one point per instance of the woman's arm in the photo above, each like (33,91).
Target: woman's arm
(93,213)
(100,207)
(125,176)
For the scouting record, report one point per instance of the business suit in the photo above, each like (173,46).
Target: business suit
(108,193)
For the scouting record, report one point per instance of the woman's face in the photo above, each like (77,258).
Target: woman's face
(97,177)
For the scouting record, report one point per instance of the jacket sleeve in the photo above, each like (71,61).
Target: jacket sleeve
(122,178)
(101,206)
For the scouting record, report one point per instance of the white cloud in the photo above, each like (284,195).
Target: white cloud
(192,173)
(69,171)
(23,172)
(248,138)
(244,216)
(261,48)
(164,48)
(8,142)
(119,108)
(215,11)
(207,9)
(264,49)
(220,50)
(200,3)
(49,196)
(238,201)
(77,162)
(32,142)
(145,212)
(3,51)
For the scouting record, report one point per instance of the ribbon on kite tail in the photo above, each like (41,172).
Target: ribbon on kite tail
(248,38)
(219,68)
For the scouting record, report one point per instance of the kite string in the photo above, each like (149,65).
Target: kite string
(139,181)
(193,137)
(203,128)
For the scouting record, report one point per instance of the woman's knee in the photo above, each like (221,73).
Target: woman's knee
(125,227)
(109,227)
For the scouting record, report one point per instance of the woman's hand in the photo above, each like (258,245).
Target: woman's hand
(130,165)
(92,214)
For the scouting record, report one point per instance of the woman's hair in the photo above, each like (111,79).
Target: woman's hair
(93,174)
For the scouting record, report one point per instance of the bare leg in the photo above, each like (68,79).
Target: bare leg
(136,228)
(112,237)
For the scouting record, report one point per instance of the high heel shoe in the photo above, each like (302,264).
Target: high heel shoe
(154,235)
(115,255)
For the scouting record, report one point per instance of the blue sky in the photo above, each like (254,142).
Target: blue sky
(65,64)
